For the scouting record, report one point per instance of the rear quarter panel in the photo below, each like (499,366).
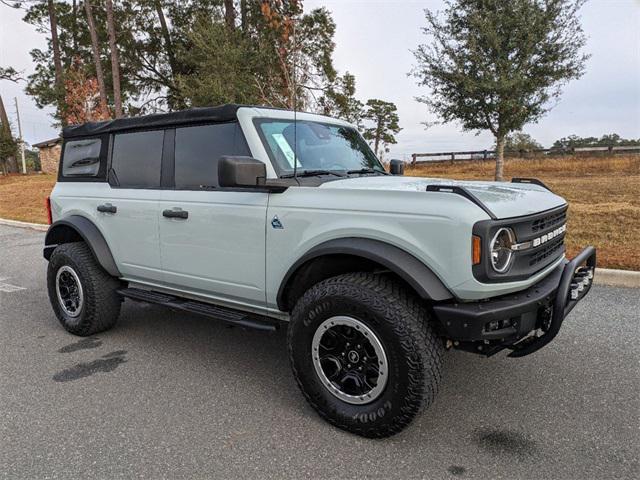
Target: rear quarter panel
(132,233)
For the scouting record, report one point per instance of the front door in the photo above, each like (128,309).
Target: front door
(212,240)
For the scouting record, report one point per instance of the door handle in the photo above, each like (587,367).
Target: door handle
(107,208)
(175,214)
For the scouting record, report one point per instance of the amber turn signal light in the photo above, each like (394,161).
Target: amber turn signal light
(476,249)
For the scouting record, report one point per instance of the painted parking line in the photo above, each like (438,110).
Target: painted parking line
(8,288)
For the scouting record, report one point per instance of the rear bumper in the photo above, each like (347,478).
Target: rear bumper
(486,327)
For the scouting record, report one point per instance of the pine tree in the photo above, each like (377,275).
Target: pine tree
(385,124)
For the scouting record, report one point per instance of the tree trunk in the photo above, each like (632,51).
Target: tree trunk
(378,137)
(229,14)
(4,119)
(57,61)
(96,53)
(115,66)
(166,35)
(11,163)
(499,158)
(243,15)
(74,30)
(173,99)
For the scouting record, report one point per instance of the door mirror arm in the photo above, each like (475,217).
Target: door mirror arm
(276,185)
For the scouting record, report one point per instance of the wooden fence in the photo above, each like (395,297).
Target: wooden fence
(487,154)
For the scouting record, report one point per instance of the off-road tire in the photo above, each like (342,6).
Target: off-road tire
(400,321)
(101,303)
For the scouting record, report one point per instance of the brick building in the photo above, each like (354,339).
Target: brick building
(49,154)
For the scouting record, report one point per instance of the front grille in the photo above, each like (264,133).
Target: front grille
(539,257)
(550,249)
(528,228)
(549,222)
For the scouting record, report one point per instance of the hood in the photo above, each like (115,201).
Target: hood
(504,199)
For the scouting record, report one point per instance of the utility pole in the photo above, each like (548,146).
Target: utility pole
(24,164)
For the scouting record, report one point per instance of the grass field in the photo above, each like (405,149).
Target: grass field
(603,193)
(23,197)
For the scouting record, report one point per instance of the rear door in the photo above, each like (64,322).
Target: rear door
(128,211)
(212,239)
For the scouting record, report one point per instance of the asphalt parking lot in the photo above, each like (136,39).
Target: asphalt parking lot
(169,395)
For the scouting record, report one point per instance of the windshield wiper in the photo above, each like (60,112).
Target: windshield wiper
(312,173)
(366,170)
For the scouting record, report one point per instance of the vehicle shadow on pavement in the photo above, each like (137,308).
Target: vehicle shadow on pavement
(213,348)
(516,412)
(258,361)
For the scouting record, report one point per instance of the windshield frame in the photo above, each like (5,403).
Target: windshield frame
(285,173)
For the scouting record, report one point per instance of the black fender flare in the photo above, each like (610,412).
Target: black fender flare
(58,233)
(413,271)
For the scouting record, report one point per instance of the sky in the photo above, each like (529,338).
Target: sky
(374,40)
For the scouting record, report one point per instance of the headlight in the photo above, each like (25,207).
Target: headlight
(501,253)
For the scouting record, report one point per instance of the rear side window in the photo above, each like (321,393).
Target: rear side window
(137,158)
(81,158)
(198,150)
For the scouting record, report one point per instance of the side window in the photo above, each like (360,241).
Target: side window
(137,158)
(198,149)
(81,158)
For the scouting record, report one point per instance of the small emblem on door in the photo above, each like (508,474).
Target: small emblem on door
(276,223)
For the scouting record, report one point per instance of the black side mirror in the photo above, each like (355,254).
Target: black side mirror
(242,172)
(396,167)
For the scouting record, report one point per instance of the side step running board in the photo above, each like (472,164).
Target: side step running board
(234,317)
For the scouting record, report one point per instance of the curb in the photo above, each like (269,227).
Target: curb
(617,278)
(41,227)
(604,276)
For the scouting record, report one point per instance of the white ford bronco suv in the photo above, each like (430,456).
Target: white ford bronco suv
(258,216)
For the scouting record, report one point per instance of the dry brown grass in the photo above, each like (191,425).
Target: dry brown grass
(22,197)
(603,194)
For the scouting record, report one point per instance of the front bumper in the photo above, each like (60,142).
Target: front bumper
(513,321)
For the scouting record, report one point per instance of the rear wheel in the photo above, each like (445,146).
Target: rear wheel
(82,294)
(364,353)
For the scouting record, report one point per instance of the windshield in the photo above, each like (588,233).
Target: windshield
(319,146)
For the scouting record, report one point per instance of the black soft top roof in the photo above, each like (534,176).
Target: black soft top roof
(223,113)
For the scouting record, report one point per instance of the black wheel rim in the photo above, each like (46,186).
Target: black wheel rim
(349,360)
(69,291)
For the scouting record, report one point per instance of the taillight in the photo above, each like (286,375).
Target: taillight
(47,203)
(476,250)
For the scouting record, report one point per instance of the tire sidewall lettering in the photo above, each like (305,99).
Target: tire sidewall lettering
(373,415)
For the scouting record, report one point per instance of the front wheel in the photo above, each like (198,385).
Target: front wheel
(364,353)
